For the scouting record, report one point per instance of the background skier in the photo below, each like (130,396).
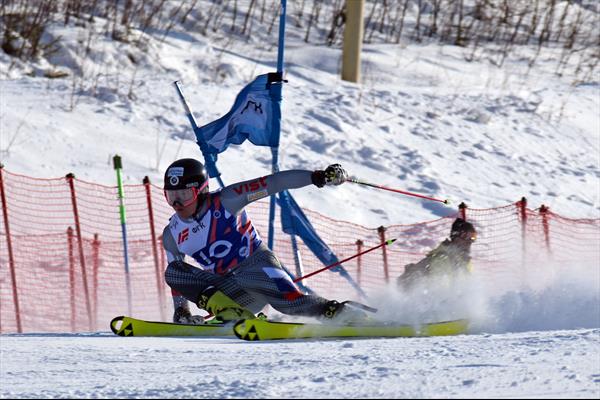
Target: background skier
(449,258)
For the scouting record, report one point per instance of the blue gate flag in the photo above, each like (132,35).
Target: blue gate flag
(255,115)
(294,222)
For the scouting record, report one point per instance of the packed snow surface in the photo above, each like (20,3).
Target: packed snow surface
(550,364)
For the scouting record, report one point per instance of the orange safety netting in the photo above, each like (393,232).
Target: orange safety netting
(62,258)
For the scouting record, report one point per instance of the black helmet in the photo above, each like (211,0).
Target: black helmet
(460,226)
(185,173)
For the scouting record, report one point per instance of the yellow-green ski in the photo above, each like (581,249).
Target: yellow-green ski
(256,329)
(127,326)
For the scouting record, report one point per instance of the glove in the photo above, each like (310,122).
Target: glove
(333,175)
(183,315)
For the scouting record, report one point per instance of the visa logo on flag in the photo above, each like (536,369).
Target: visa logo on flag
(255,115)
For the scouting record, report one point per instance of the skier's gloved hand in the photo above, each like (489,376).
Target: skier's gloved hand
(333,175)
(183,315)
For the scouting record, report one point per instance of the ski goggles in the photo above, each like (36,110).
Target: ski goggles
(468,236)
(183,197)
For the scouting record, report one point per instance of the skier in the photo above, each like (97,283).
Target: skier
(449,258)
(240,274)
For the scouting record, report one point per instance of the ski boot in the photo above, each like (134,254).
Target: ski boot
(222,306)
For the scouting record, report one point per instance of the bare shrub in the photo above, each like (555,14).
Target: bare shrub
(487,29)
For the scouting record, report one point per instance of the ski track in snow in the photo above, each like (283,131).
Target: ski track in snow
(530,364)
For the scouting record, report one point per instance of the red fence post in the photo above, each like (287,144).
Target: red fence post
(95,271)
(162,252)
(71,276)
(11,258)
(386,271)
(70,179)
(462,210)
(544,212)
(163,257)
(159,280)
(359,244)
(522,206)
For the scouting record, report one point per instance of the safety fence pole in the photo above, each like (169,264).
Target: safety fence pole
(462,210)
(71,250)
(70,179)
(159,280)
(11,258)
(95,271)
(163,260)
(544,213)
(522,206)
(386,271)
(359,245)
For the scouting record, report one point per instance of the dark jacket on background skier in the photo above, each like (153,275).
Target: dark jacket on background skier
(449,258)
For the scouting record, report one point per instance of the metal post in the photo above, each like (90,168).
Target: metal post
(71,253)
(522,205)
(297,256)
(462,210)
(11,258)
(163,260)
(359,245)
(159,280)
(275,150)
(386,271)
(95,271)
(70,179)
(272,201)
(544,212)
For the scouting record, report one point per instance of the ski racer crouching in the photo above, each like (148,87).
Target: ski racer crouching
(450,258)
(240,274)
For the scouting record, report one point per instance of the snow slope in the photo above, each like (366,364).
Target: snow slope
(423,120)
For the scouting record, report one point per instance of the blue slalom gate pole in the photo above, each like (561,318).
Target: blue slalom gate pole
(209,159)
(275,150)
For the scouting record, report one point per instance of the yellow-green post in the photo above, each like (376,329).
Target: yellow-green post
(118,166)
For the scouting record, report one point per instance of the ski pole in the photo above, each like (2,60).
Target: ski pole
(354,180)
(387,242)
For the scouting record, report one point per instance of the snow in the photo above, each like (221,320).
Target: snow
(550,364)
(423,120)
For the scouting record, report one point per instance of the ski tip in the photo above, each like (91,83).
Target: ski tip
(115,325)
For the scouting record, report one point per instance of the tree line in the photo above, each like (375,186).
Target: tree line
(488,30)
